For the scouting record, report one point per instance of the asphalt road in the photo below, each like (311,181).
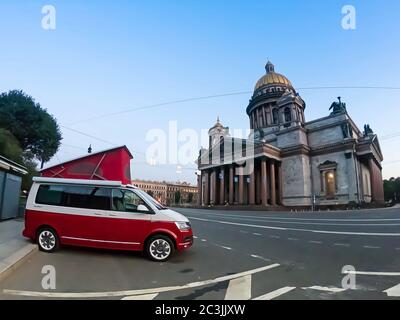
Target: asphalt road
(236,255)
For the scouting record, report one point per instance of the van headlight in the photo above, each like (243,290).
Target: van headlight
(183,225)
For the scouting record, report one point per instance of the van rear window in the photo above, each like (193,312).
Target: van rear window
(75,196)
(51,195)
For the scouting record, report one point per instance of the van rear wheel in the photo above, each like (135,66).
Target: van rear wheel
(47,240)
(159,248)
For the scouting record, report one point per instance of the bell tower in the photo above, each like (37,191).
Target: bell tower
(217,132)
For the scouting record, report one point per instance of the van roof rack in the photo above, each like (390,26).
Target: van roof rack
(106,183)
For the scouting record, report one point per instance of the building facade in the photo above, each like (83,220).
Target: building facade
(181,193)
(158,190)
(169,193)
(288,161)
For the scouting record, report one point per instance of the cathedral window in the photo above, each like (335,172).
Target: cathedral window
(328,171)
(330,184)
(275,116)
(288,115)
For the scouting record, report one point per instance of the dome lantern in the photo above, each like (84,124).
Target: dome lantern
(269,67)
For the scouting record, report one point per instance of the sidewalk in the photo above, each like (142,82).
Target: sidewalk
(14,248)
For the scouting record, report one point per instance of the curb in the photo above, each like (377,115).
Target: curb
(12,262)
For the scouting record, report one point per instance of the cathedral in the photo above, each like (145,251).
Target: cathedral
(288,161)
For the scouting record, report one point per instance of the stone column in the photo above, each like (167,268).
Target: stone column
(252,185)
(241,186)
(231,184)
(222,186)
(264,184)
(372,178)
(199,189)
(214,187)
(258,185)
(273,185)
(280,184)
(207,188)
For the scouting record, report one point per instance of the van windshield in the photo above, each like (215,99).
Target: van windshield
(149,198)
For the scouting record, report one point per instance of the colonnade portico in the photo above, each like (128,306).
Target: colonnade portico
(260,184)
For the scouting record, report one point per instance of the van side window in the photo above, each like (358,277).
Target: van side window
(50,195)
(125,200)
(74,196)
(87,197)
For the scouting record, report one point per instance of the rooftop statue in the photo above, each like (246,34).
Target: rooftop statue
(367,130)
(338,107)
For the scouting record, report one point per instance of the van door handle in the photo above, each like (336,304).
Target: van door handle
(112,215)
(97,214)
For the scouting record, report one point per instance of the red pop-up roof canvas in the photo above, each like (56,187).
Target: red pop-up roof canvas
(112,164)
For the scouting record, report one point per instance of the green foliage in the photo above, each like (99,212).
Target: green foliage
(31,167)
(392,189)
(36,130)
(9,146)
(177,197)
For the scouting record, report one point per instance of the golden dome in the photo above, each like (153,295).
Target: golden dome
(272,78)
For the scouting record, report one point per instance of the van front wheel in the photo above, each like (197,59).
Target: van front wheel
(159,248)
(47,240)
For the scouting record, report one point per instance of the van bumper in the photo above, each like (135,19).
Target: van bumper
(185,241)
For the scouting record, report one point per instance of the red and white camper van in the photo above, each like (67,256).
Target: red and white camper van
(102,214)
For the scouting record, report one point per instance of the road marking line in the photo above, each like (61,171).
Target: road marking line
(259,257)
(371,247)
(203,240)
(274,237)
(301,230)
(299,219)
(138,291)
(341,244)
(274,294)
(194,237)
(315,242)
(257,234)
(239,289)
(227,248)
(293,239)
(141,297)
(393,291)
(371,273)
(328,289)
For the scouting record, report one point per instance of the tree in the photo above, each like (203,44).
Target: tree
(35,129)
(177,197)
(9,146)
(190,197)
(392,189)
(31,167)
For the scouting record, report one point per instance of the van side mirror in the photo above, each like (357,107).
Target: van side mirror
(142,208)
